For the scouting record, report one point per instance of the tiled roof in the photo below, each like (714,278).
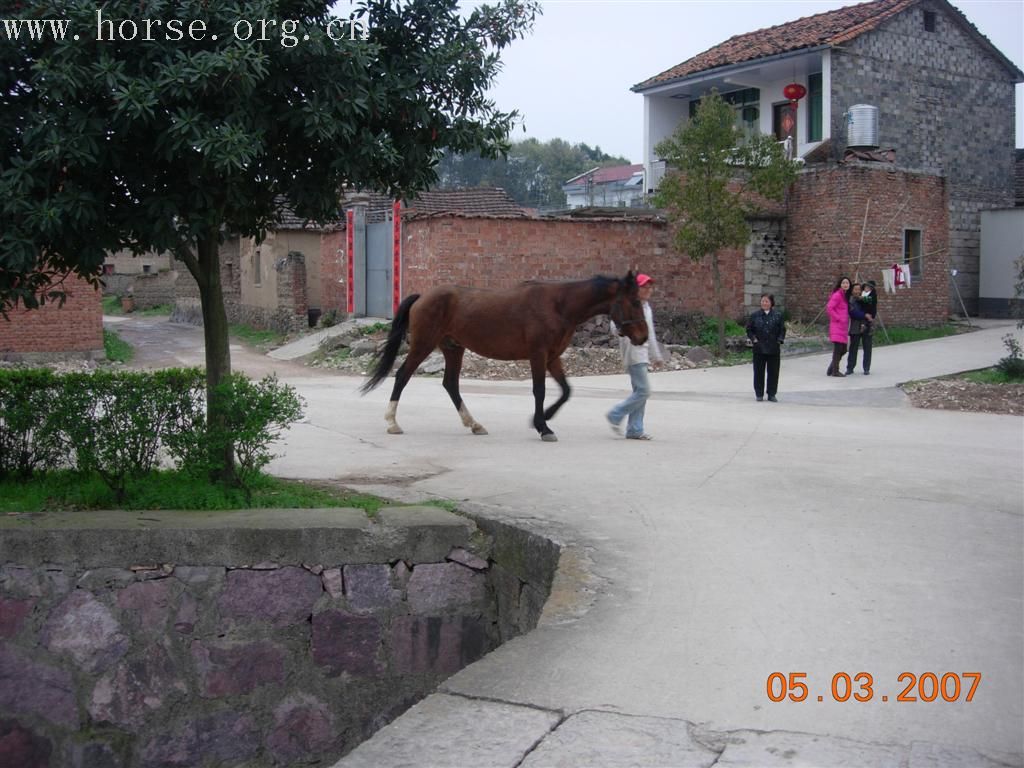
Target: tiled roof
(481,201)
(287,219)
(823,29)
(608,175)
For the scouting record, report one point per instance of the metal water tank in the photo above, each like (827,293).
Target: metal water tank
(862,126)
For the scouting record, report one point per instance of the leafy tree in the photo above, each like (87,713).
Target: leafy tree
(708,196)
(172,143)
(533,172)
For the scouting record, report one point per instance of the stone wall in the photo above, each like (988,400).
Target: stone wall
(851,223)
(288,274)
(270,638)
(153,289)
(765,264)
(946,107)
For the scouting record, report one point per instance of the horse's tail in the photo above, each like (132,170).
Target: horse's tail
(386,358)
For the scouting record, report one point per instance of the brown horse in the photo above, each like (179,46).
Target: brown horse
(534,321)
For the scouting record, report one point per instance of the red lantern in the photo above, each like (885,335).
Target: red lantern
(794,92)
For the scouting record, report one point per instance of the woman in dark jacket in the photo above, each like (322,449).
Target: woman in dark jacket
(860,329)
(766,330)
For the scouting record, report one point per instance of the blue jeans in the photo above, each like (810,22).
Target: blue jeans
(633,406)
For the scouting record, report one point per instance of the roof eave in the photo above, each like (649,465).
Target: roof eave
(705,74)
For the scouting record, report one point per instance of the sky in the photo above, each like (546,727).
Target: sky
(571,77)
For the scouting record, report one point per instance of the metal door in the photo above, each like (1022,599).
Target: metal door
(378,269)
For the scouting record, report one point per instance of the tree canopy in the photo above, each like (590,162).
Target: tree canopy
(109,143)
(532,173)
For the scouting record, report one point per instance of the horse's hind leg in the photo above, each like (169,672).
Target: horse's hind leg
(558,374)
(417,354)
(452,367)
(539,419)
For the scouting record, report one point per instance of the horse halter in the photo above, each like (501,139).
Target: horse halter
(617,317)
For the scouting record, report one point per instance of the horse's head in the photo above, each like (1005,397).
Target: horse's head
(627,312)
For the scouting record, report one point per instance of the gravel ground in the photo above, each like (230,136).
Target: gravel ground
(957,394)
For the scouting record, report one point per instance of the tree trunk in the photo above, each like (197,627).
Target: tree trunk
(218,356)
(719,302)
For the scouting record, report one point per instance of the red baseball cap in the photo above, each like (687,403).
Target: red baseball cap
(643,279)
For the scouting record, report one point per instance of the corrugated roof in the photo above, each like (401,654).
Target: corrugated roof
(608,175)
(824,29)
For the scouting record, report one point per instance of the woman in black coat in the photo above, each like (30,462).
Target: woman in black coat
(766,330)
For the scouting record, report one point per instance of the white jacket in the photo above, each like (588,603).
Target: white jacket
(646,353)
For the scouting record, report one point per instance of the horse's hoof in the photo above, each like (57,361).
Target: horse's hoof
(550,437)
(396,430)
(478,430)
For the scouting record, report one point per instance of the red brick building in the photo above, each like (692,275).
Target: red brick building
(54,332)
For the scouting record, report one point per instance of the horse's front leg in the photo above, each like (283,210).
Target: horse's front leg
(539,420)
(558,374)
(452,367)
(412,361)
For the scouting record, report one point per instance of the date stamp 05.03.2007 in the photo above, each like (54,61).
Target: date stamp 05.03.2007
(861,686)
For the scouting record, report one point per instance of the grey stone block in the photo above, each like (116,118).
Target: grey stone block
(619,741)
(445,730)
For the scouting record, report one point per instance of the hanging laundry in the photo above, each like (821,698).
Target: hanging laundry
(888,281)
(906,274)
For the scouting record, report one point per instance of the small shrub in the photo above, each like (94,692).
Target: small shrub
(255,415)
(29,437)
(1012,366)
(709,332)
(114,422)
(329,318)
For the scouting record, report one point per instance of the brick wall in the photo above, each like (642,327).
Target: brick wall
(333,271)
(499,253)
(52,332)
(829,236)
(946,107)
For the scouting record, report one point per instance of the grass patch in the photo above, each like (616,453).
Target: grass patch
(737,357)
(256,337)
(904,334)
(117,349)
(65,490)
(989,376)
(112,305)
(367,330)
(160,310)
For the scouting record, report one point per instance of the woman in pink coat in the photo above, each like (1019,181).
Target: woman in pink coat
(839,324)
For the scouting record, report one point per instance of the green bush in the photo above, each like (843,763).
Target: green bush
(1012,366)
(115,422)
(709,331)
(119,425)
(29,437)
(255,415)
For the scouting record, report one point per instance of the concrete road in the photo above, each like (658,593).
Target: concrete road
(839,531)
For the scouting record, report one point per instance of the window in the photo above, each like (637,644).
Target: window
(747,105)
(256,268)
(814,109)
(929,21)
(912,252)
